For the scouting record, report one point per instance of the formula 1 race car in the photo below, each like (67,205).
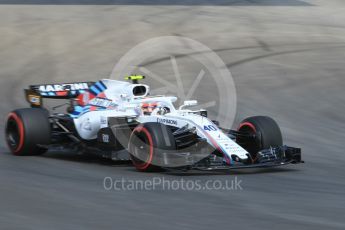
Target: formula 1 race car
(109,116)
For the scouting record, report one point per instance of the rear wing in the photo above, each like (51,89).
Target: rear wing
(36,93)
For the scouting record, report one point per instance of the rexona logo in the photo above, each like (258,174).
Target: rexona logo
(167,121)
(63,87)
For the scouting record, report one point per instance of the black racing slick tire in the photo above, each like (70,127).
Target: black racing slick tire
(147,142)
(27,129)
(266,133)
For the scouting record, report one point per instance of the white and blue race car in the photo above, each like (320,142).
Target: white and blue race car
(110,116)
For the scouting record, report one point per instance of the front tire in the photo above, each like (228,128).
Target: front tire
(146,143)
(26,129)
(265,130)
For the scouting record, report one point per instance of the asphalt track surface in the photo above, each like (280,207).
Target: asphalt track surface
(287,59)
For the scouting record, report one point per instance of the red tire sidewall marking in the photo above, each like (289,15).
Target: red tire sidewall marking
(250,125)
(20,126)
(145,165)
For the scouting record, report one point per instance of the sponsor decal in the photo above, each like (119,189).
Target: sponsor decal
(101,102)
(63,87)
(104,120)
(105,138)
(167,121)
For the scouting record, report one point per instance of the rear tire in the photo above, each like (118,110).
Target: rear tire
(26,129)
(146,143)
(267,134)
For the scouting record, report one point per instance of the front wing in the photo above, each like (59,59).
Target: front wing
(272,157)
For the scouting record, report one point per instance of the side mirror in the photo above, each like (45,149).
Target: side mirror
(188,103)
